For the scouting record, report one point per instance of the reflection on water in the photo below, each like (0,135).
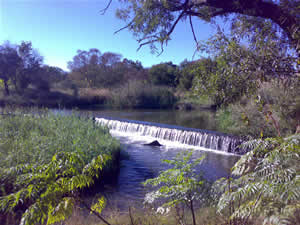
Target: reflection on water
(201,119)
(140,162)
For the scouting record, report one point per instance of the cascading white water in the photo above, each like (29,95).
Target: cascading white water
(189,136)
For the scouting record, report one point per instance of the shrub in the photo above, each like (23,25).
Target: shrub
(137,94)
(268,183)
(46,160)
(180,184)
(274,111)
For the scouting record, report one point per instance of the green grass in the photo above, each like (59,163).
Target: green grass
(36,138)
(47,161)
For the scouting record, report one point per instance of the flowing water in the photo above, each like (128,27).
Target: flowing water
(176,131)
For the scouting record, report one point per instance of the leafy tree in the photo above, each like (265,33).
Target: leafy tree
(217,80)
(30,71)
(185,75)
(10,62)
(21,66)
(241,68)
(53,74)
(154,21)
(93,69)
(133,70)
(163,74)
(180,184)
(268,183)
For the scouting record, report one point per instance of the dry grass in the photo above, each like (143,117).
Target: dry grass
(139,216)
(91,92)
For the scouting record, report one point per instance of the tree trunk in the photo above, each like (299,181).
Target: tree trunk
(6,89)
(193,213)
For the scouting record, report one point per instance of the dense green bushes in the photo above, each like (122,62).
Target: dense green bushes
(46,160)
(267,183)
(137,94)
(275,110)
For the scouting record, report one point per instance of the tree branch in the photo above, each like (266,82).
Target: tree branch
(192,27)
(175,23)
(123,28)
(94,212)
(103,11)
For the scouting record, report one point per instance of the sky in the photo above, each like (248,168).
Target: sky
(58,28)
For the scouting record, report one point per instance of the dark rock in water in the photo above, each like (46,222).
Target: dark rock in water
(154,143)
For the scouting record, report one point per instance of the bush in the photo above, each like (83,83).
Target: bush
(266,185)
(136,94)
(46,161)
(180,184)
(275,110)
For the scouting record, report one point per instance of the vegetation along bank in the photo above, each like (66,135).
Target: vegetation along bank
(47,161)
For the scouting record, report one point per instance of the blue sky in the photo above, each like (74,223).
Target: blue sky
(58,28)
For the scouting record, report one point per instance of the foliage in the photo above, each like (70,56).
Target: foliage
(163,74)
(277,104)
(94,69)
(267,183)
(154,21)
(179,184)
(10,61)
(46,160)
(138,94)
(53,74)
(20,66)
(185,75)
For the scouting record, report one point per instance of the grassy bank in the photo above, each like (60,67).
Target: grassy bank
(132,95)
(46,161)
(138,216)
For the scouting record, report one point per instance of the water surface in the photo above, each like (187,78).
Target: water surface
(140,162)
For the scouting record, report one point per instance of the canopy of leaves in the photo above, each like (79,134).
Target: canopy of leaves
(94,69)
(163,74)
(268,183)
(20,66)
(244,59)
(153,21)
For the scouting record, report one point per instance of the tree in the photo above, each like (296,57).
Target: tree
(180,184)
(163,74)
(9,61)
(94,69)
(20,65)
(30,69)
(154,21)
(132,70)
(267,184)
(189,70)
(53,74)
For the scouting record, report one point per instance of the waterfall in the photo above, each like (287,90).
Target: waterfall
(189,136)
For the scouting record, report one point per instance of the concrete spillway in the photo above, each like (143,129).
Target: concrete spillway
(188,136)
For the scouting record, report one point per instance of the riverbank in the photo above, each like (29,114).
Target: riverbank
(140,216)
(135,96)
(48,160)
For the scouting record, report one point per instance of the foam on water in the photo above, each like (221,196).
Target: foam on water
(174,136)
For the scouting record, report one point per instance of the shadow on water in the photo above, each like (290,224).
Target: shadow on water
(140,162)
(200,119)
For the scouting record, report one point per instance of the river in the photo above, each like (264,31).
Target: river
(140,162)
